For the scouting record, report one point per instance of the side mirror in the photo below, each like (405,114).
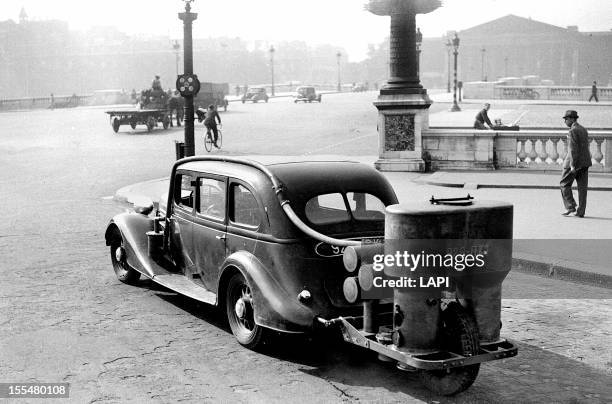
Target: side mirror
(143,205)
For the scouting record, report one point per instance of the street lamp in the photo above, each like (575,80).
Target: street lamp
(449,46)
(188,17)
(506,66)
(176,46)
(272,50)
(419,41)
(482,65)
(338,56)
(455,43)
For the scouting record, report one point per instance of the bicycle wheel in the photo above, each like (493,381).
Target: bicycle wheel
(208,142)
(219,139)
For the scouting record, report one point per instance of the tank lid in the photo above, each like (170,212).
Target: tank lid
(427,208)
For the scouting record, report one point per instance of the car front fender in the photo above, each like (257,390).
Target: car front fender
(274,306)
(133,228)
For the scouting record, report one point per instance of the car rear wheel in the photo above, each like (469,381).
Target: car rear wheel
(459,335)
(124,272)
(240,313)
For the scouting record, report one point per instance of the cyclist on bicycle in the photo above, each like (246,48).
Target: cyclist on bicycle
(212,116)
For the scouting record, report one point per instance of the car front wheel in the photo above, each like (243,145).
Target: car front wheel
(124,272)
(241,315)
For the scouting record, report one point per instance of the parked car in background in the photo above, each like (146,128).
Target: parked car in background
(255,94)
(306,94)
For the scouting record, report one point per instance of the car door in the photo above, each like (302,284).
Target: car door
(209,231)
(181,222)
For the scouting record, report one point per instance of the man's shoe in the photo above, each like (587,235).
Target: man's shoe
(579,214)
(568,212)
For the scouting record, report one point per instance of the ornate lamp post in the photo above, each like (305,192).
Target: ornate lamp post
(176,46)
(449,46)
(419,41)
(506,66)
(455,42)
(272,50)
(188,83)
(338,57)
(402,103)
(482,64)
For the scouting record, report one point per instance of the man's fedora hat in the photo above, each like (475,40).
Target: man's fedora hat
(570,114)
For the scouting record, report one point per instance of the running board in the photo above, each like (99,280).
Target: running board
(180,284)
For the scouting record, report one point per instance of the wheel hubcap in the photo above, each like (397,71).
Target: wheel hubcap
(240,308)
(119,254)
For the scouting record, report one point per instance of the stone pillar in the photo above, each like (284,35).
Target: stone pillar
(403,102)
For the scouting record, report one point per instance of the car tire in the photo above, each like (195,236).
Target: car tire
(459,335)
(124,272)
(240,313)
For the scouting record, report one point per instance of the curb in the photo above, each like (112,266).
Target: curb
(126,194)
(559,269)
(506,186)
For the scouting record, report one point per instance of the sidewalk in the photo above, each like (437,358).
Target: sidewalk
(546,243)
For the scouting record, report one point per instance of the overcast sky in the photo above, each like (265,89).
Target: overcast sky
(343,23)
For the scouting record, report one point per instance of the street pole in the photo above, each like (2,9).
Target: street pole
(419,41)
(176,46)
(272,66)
(338,56)
(188,17)
(482,65)
(506,66)
(455,107)
(449,45)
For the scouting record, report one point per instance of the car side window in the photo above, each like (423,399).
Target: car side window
(365,206)
(327,209)
(211,198)
(183,191)
(244,210)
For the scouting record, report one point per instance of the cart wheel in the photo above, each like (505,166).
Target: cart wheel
(240,313)
(459,335)
(150,123)
(166,122)
(116,124)
(208,142)
(124,272)
(133,123)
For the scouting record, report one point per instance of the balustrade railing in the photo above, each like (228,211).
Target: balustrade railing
(539,150)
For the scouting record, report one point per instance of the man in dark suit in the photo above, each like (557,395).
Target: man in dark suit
(575,166)
(482,117)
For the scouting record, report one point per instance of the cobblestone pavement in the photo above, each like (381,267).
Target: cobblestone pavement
(64,316)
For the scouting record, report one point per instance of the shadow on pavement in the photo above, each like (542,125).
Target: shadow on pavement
(535,375)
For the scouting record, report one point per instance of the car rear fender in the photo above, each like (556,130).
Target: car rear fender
(274,307)
(133,228)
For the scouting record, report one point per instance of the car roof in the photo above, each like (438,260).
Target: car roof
(304,179)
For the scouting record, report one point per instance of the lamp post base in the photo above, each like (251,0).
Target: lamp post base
(455,108)
(401,119)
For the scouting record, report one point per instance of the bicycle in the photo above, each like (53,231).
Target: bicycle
(208,139)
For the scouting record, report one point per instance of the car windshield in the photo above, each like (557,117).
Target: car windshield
(337,208)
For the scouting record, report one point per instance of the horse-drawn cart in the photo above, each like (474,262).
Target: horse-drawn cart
(148,117)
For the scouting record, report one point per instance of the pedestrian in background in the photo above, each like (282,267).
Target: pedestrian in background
(575,166)
(482,117)
(594,92)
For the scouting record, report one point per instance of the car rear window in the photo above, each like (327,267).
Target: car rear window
(332,208)
(244,209)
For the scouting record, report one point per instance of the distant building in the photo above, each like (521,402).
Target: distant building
(517,46)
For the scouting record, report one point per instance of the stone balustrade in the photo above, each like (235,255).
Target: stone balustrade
(549,93)
(533,149)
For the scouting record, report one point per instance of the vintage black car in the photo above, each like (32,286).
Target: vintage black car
(255,94)
(225,239)
(271,245)
(306,94)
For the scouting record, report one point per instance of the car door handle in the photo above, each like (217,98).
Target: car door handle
(222,237)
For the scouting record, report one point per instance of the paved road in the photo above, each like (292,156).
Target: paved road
(64,317)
